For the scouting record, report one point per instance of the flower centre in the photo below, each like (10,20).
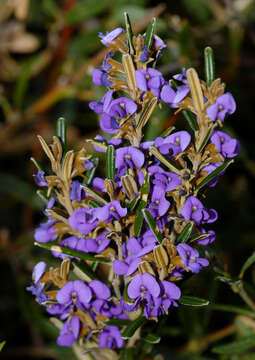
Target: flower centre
(122,106)
(127,156)
(193,259)
(112,208)
(147,77)
(220,107)
(177,140)
(194,208)
(157,202)
(222,140)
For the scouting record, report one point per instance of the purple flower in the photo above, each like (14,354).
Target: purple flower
(149,80)
(142,285)
(39,178)
(121,107)
(145,54)
(159,44)
(105,64)
(69,332)
(83,220)
(128,157)
(110,338)
(226,145)
(171,293)
(172,97)
(182,76)
(75,292)
(45,232)
(100,77)
(158,205)
(193,209)
(190,258)
(109,38)
(37,287)
(99,289)
(76,191)
(168,180)
(113,210)
(174,143)
(225,104)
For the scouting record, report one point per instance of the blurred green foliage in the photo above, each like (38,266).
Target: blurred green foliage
(48,50)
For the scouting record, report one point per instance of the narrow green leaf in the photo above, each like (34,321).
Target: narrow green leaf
(132,327)
(94,204)
(2,343)
(236,347)
(95,195)
(90,173)
(206,138)
(133,203)
(234,309)
(129,33)
(43,196)
(117,322)
(152,338)
(65,250)
(110,162)
(146,113)
(142,204)
(150,33)
(85,268)
(127,354)
(152,224)
(61,130)
(214,173)
(164,160)
(185,234)
(247,264)
(193,301)
(192,121)
(209,65)
(167,131)
(37,164)
(199,237)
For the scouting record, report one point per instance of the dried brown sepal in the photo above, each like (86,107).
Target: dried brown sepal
(130,186)
(196,91)
(129,68)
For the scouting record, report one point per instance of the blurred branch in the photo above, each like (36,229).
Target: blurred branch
(60,92)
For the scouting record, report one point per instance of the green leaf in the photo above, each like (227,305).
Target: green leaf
(132,327)
(61,130)
(94,204)
(185,234)
(133,203)
(117,322)
(142,204)
(110,162)
(247,264)
(43,196)
(85,268)
(209,65)
(90,173)
(95,195)
(167,131)
(129,33)
(2,343)
(152,224)
(65,250)
(192,121)
(37,164)
(206,138)
(150,33)
(236,347)
(146,113)
(152,338)
(234,309)
(50,8)
(214,173)
(199,237)
(193,301)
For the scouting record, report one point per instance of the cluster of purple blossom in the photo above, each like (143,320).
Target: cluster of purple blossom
(144,266)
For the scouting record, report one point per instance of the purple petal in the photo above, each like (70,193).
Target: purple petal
(100,289)
(120,267)
(151,284)
(140,78)
(134,287)
(167,94)
(38,271)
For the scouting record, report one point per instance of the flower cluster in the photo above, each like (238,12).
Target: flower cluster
(130,237)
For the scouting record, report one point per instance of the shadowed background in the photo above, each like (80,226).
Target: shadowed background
(48,50)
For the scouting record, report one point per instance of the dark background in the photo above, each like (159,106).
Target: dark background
(47,54)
